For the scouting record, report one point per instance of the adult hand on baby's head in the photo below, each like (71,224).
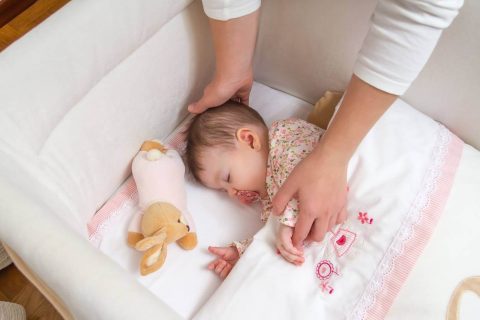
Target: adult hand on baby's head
(319,184)
(220,91)
(227,257)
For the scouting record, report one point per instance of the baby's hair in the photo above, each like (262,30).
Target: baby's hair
(217,127)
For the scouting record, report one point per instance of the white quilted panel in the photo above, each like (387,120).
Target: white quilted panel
(80,151)
(45,73)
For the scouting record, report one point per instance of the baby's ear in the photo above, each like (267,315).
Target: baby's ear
(249,137)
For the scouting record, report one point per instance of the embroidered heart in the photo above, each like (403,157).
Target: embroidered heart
(342,240)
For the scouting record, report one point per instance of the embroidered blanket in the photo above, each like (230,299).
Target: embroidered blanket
(399,179)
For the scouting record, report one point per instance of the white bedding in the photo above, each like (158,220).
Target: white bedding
(398,178)
(185,284)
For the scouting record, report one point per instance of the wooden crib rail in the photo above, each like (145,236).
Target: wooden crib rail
(469,284)
(48,293)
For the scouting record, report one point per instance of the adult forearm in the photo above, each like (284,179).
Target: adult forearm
(362,106)
(234,43)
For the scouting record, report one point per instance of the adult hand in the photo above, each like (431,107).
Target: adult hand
(220,91)
(320,180)
(234,44)
(319,184)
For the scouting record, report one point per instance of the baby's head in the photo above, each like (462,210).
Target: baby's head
(227,149)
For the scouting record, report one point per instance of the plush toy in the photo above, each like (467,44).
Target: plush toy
(159,175)
(324,109)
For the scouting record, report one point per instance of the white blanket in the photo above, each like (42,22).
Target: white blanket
(399,180)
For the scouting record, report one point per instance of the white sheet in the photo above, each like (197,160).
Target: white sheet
(218,221)
(389,167)
(184,282)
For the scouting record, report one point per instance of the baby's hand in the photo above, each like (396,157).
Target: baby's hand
(285,246)
(227,257)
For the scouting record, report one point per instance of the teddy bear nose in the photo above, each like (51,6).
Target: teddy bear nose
(188,228)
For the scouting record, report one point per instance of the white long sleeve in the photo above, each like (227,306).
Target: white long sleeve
(402,37)
(399,43)
(229,9)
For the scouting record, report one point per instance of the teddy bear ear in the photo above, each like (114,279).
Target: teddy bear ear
(153,259)
(156,239)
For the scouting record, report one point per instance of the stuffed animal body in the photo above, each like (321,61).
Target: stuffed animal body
(163,217)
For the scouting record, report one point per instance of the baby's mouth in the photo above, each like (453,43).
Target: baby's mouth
(248,197)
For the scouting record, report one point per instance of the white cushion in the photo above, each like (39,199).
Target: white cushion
(71,127)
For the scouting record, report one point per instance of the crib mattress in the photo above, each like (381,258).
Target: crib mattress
(185,283)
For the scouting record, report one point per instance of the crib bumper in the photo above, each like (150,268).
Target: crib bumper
(92,286)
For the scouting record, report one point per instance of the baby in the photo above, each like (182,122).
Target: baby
(230,148)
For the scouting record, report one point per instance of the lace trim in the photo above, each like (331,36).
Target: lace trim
(130,202)
(396,248)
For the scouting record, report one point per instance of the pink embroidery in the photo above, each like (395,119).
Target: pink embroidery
(363,217)
(343,241)
(325,269)
(326,287)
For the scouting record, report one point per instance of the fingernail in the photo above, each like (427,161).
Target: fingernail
(278,252)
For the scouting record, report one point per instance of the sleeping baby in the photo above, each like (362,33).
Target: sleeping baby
(230,148)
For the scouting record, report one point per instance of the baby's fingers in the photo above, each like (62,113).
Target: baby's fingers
(288,246)
(226,270)
(220,266)
(212,265)
(219,251)
(292,258)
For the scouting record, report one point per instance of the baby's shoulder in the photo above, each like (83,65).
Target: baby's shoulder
(288,129)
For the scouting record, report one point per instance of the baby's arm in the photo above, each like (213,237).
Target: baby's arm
(293,141)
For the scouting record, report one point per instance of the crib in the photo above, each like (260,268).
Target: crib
(83,90)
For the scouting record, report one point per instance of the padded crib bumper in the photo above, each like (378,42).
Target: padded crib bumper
(92,286)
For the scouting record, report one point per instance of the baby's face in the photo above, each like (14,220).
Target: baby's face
(242,168)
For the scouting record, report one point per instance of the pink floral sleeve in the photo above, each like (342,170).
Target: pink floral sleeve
(242,245)
(290,141)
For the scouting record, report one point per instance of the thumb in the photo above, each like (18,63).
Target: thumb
(283,196)
(218,251)
(196,107)
(209,99)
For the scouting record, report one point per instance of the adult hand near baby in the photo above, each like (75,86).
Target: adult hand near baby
(221,89)
(319,184)
(234,43)
(320,180)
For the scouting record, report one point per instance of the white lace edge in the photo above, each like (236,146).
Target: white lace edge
(396,248)
(96,237)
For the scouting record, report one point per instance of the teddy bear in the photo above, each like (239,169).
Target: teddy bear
(324,109)
(163,218)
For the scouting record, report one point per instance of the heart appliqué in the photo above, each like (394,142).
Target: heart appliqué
(342,240)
